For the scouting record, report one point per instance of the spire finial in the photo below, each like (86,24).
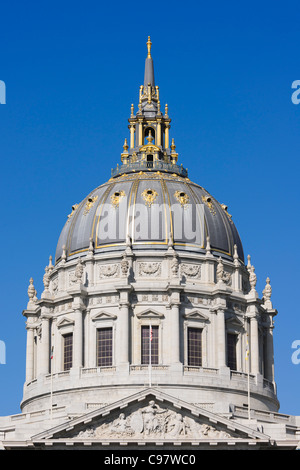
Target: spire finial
(149,44)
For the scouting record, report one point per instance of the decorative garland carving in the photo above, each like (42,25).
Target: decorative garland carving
(191,270)
(109,270)
(149,269)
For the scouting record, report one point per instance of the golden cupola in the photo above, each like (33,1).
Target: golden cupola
(149,144)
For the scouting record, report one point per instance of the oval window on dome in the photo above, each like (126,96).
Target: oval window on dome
(116,198)
(149,195)
(182,198)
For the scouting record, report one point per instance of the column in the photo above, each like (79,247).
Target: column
(30,354)
(132,136)
(254,349)
(140,133)
(175,334)
(158,134)
(220,337)
(122,334)
(269,359)
(167,136)
(45,346)
(78,339)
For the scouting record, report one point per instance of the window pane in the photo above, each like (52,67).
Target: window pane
(104,347)
(231,351)
(146,345)
(68,351)
(195,347)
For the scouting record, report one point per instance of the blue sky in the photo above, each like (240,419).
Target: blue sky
(72,70)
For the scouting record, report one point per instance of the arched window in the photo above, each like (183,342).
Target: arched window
(149,135)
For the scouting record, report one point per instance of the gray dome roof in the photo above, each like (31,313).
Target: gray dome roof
(150,207)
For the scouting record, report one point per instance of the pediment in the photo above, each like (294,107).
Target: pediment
(195,315)
(146,417)
(150,313)
(234,321)
(65,322)
(103,315)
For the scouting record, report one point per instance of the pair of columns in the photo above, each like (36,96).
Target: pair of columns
(254,348)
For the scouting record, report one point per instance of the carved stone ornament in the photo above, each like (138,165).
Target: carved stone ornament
(252,278)
(153,421)
(267,292)
(124,265)
(46,278)
(54,285)
(32,294)
(109,270)
(76,276)
(191,270)
(222,275)
(174,265)
(149,269)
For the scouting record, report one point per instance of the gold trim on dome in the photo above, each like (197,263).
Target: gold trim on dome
(116,198)
(182,197)
(149,195)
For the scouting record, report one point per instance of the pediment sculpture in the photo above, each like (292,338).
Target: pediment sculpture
(153,421)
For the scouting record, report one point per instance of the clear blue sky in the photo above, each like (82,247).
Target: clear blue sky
(72,70)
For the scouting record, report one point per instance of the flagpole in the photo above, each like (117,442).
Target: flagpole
(51,391)
(247,359)
(248,389)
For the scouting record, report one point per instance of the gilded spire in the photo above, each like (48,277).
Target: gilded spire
(149,69)
(149,148)
(149,44)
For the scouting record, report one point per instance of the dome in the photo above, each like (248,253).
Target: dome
(153,209)
(149,197)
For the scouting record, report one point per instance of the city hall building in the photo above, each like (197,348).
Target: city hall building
(150,331)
